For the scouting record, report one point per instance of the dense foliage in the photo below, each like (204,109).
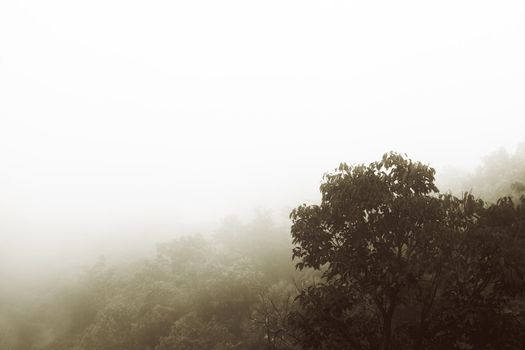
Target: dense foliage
(232,291)
(405,267)
(385,261)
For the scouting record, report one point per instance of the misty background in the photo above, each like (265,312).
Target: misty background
(123,124)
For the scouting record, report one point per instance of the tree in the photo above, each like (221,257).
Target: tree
(270,315)
(191,332)
(500,174)
(401,263)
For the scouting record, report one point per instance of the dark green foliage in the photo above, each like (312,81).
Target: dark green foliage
(406,267)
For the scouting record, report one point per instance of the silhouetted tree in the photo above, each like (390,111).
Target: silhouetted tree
(404,267)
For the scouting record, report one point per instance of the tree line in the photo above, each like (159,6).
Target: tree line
(384,261)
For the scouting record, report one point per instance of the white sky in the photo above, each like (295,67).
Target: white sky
(120,115)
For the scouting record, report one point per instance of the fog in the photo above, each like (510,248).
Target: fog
(126,123)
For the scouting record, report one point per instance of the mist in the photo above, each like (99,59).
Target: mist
(127,124)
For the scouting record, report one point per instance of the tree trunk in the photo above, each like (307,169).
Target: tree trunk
(419,340)
(387,329)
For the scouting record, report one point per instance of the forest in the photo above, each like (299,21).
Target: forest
(385,260)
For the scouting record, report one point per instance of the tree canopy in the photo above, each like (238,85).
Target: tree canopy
(405,266)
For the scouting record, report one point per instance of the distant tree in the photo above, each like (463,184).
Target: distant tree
(264,243)
(191,332)
(270,316)
(500,174)
(196,293)
(403,266)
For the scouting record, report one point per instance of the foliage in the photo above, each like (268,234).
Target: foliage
(501,174)
(405,267)
(196,293)
(385,261)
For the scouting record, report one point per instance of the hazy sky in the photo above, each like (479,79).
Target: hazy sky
(120,115)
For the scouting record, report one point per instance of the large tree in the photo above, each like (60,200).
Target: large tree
(404,266)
